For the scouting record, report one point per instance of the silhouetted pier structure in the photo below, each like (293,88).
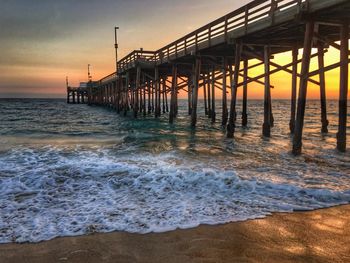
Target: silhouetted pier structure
(80,95)
(76,95)
(217,58)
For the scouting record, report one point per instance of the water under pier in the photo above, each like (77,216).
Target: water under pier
(216,58)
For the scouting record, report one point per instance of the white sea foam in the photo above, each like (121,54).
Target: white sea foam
(51,192)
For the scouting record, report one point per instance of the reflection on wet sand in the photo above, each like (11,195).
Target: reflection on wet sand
(318,236)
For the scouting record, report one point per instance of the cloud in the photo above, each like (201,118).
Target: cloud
(66,35)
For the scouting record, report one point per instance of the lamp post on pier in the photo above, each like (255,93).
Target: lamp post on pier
(116,47)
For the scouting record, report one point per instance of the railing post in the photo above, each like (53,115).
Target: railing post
(209,35)
(246,18)
(226,27)
(299,6)
(176,49)
(274,6)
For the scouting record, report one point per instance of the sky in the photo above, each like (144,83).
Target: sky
(43,41)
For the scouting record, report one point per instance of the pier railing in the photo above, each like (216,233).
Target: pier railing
(136,55)
(109,78)
(239,18)
(192,42)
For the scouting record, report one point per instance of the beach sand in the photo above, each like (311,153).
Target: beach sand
(317,236)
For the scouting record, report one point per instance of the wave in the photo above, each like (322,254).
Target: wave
(52,191)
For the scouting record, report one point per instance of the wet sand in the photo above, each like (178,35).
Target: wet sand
(317,236)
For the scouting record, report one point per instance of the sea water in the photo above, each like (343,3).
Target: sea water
(68,170)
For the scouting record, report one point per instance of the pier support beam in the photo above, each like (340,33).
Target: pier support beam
(164,92)
(209,95)
(245,93)
(78,97)
(324,120)
(172,113)
(144,100)
(213,105)
(298,132)
(267,94)
(234,85)
(126,91)
(294,89)
(68,96)
(224,93)
(73,97)
(189,96)
(205,95)
(151,84)
(196,73)
(344,81)
(166,98)
(149,106)
(136,88)
(157,87)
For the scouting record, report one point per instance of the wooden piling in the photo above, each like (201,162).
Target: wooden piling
(205,95)
(149,106)
(173,95)
(141,89)
(166,99)
(294,89)
(209,94)
(245,93)
(224,93)
(213,110)
(78,97)
(136,99)
(164,93)
(299,123)
(189,96)
(157,92)
(196,73)
(126,91)
(144,101)
(176,100)
(152,96)
(272,119)
(234,84)
(344,81)
(267,96)
(73,97)
(324,120)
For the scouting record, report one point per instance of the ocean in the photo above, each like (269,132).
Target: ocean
(68,170)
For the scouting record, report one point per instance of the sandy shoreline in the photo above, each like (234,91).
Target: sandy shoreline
(317,236)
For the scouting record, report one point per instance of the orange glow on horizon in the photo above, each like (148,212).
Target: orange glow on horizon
(282,80)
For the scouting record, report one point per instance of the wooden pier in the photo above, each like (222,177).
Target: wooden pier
(220,52)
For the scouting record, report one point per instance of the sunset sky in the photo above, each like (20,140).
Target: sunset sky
(43,41)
